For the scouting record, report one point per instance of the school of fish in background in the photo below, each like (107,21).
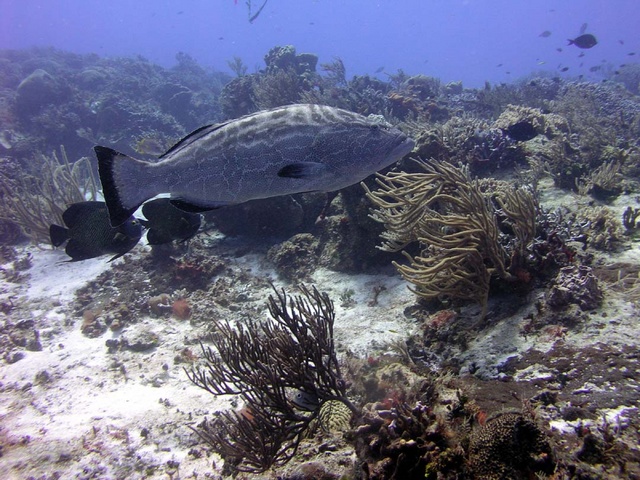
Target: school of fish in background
(583,41)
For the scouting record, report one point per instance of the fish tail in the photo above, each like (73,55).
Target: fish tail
(570,41)
(58,235)
(122,183)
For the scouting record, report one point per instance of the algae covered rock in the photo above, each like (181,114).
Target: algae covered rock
(296,258)
(576,285)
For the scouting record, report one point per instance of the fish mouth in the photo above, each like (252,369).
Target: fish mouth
(404,146)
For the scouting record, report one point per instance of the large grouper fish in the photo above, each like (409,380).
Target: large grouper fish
(291,149)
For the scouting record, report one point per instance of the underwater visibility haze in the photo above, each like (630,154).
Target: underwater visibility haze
(460,40)
(314,239)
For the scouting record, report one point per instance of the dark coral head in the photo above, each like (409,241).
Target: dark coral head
(522,131)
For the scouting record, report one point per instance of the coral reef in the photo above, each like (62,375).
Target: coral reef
(596,114)
(80,100)
(546,277)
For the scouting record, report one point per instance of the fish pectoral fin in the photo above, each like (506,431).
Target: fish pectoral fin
(192,207)
(302,170)
(78,213)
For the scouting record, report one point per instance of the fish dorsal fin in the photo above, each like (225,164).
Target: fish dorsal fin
(193,136)
(81,210)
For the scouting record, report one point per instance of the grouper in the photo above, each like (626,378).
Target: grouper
(285,150)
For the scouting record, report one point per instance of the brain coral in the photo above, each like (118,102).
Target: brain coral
(510,446)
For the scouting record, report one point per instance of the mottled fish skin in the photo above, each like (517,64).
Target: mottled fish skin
(291,149)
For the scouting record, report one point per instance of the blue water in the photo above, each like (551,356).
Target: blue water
(468,40)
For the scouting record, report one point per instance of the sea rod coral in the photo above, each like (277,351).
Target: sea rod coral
(284,370)
(35,203)
(457,226)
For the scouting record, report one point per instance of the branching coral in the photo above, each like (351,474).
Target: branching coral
(603,182)
(34,203)
(519,208)
(267,364)
(630,218)
(457,226)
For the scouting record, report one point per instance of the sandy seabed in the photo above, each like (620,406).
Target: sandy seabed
(70,407)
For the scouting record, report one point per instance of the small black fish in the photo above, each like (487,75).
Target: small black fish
(558,49)
(167,223)
(631,54)
(583,41)
(545,34)
(304,400)
(581,55)
(379,70)
(564,69)
(595,68)
(90,234)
